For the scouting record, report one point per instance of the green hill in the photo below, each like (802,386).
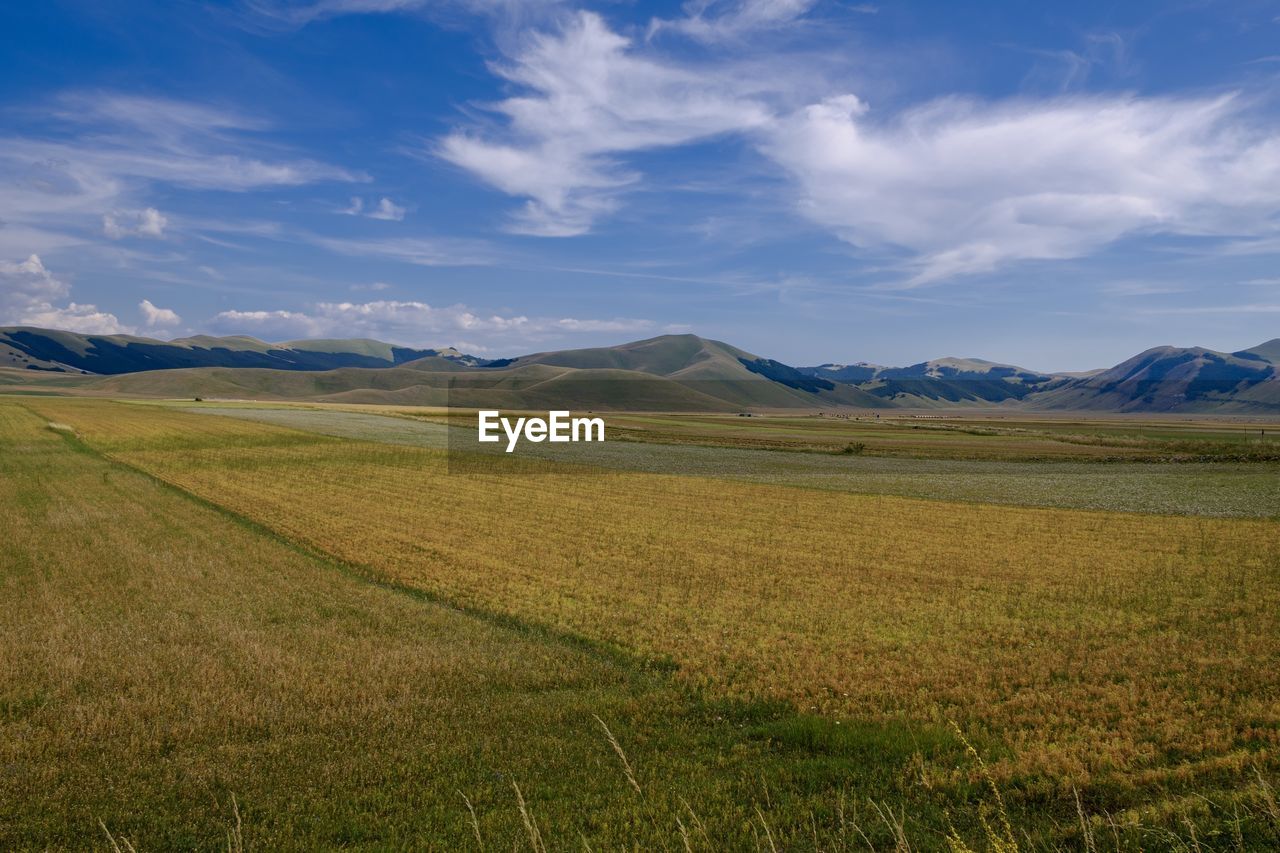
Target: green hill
(48,349)
(667,373)
(1269,351)
(671,373)
(1177,379)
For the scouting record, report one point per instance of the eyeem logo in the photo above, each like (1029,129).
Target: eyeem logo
(556,427)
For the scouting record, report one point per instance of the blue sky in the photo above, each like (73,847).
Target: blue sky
(1055,185)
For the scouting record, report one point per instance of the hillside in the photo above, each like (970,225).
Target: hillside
(940,381)
(45,349)
(673,372)
(1162,379)
(1177,379)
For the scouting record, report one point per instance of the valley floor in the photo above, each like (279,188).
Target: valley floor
(304,630)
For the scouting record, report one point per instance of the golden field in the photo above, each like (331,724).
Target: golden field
(172,678)
(1132,657)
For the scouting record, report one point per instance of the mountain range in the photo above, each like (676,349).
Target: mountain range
(50,349)
(671,372)
(942,380)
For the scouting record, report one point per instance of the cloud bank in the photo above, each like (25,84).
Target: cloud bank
(28,292)
(416,322)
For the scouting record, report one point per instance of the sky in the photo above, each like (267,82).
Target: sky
(1053,185)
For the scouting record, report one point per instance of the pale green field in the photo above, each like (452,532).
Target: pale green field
(1246,489)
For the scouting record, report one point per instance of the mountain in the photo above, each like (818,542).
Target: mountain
(672,373)
(46,349)
(1177,379)
(941,381)
(1162,379)
(1269,351)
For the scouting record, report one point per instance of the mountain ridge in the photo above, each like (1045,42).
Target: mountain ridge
(675,371)
(52,349)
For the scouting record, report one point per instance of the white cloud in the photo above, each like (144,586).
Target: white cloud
(570,324)
(147,222)
(387,209)
(425,252)
(967,187)
(724,20)
(27,286)
(299,13)
(272,324)
(53,188)
(153,316)
(590,98)
(416,322)
(28,292)
(951,187)
(74,317)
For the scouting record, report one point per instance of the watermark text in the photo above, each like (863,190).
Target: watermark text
(557,426)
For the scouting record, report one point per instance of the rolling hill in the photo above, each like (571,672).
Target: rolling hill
(1177,379)
(45,349)
(672,372)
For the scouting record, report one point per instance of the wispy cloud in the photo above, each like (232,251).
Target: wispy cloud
(414,322)
(733,20)
(954,187)
(420,251)
(110,148)
(385,209)
(591,98)
(1140,288)
(147,222)
(966,187)
(291,14)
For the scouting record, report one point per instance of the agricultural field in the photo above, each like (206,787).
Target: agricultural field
(1002,436)
(799,664)
(1213,486)
(173,676)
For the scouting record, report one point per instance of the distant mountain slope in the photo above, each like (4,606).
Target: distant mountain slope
(24,346)
(940,381)
(712,367)
(849,373)
(673,373)
(1171,379)
(1269,351)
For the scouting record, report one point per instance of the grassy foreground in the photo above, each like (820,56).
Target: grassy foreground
(180,679)
(163,655)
